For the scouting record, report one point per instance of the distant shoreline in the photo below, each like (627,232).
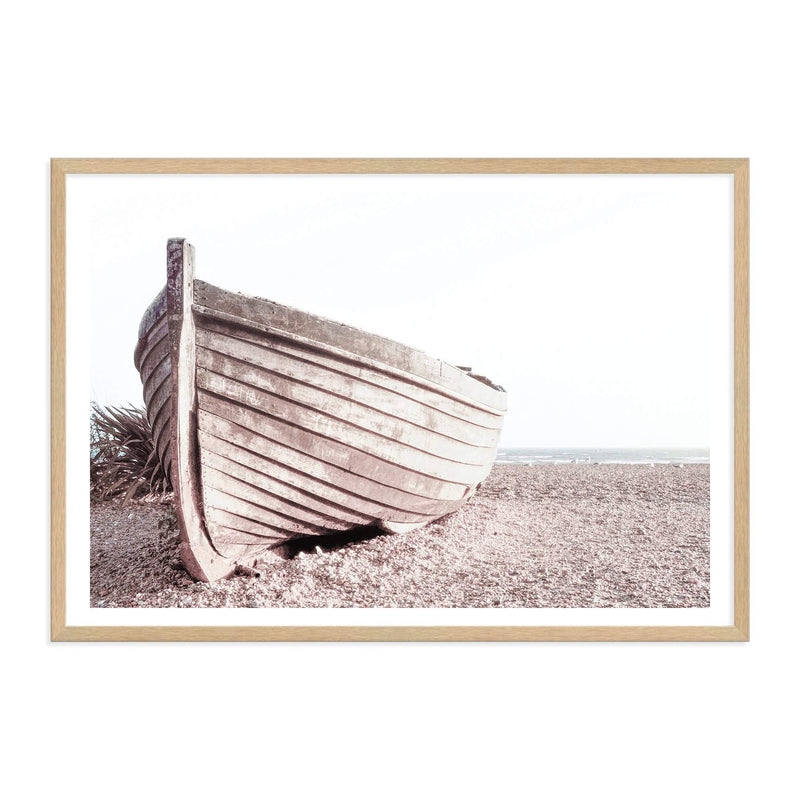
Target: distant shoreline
(567,462)
(603,455)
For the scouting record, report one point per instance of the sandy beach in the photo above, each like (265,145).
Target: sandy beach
(558,536)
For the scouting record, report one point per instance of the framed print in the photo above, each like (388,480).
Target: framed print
(400,399)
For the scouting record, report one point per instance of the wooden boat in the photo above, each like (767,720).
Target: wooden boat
(276,424)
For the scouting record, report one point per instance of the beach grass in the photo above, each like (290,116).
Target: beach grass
(123,461)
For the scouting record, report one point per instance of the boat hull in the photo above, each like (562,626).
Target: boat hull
(276,424)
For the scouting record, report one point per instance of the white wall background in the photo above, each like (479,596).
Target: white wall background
(415,79)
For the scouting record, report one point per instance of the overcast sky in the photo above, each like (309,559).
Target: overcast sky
(592,299)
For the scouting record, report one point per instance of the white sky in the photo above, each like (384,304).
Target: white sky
(596,301)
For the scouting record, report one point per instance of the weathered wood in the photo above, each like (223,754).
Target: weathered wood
(152,359)
(279,491)
(227,519)
(425,393)
(159,400)
(199,555)
(276,423)
(289,510)
(232,356)
(151,338)
(326,484)
(155,353)
(260,427)
(153,380)
(376,350)
(223,501)
(335,416)
(242,546)
(162,432)
(155,312)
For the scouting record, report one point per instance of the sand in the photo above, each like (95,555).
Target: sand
(558,536)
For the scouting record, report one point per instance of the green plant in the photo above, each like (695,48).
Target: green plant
(122,457)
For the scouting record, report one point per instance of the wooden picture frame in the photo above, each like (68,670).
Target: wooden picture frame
(737,167)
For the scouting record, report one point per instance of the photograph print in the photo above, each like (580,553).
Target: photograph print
(406,391)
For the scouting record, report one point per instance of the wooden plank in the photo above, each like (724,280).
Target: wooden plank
(348,421)
(161,424)
(235,486)
(224,536)
(155,311)
(160,329)
(368,394)
(162,372)
(156,347)
(427,395)
(158,399)
(285,491)
(232,550)
(361,445)
(217,499)
(307,452)
(327,484)
(154,314)
(334,336)
(220,517)
(159,414)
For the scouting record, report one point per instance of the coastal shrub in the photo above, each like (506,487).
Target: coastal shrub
(122,455)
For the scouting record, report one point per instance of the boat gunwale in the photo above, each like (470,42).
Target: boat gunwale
(360,360)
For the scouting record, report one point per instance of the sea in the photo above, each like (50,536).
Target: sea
(603,455)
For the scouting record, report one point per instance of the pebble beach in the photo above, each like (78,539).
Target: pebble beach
(540,536)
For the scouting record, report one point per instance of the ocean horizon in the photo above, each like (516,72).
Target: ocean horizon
(603,455)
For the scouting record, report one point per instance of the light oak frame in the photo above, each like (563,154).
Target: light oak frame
(738,167)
